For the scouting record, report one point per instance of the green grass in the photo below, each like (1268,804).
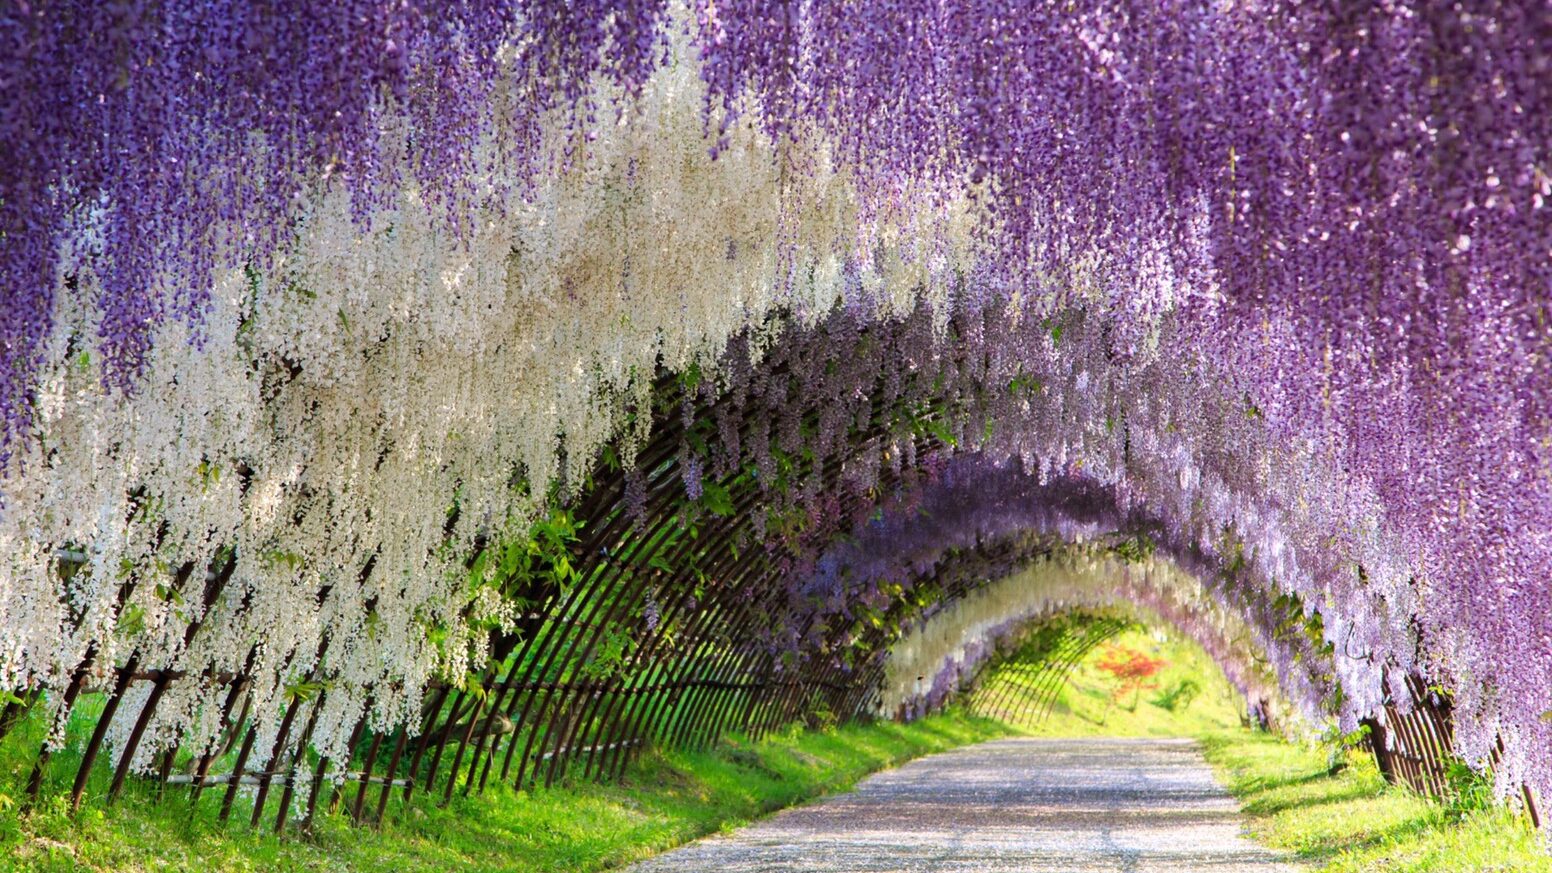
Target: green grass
(1087,704)
(1344,823)
(1350,821)
(664,799)
(1355,821)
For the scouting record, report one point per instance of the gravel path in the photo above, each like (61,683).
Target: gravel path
(1138,806)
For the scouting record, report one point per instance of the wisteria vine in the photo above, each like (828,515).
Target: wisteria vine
(290,283)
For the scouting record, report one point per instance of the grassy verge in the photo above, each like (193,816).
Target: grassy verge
(1088,704)
(1350,821)
(664,800)
(1355,821)
(1343,823)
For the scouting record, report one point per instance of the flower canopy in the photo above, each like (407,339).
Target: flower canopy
(346,297)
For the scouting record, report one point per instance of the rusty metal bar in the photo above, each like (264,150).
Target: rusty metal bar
(213,586)
(720,549)
(228,727)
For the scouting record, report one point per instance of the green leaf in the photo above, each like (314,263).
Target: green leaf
(943,432)
(131,620)
(610,656)
(277,556)
(304,690)
(477,569)
(717,500)
(690,379)
(562,569)
(168,594)
(512,557)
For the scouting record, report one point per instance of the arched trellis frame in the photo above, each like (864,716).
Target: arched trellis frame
(1020,689)
(673,623)
(1412,743)
(688,584)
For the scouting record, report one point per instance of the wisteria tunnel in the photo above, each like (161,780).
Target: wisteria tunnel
(401,398)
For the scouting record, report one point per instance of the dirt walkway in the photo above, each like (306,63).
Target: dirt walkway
(1137,806)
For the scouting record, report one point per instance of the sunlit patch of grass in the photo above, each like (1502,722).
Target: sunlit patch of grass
(1354,821)
(1086,704)
(1344,823)
(1348,822)
(664,799)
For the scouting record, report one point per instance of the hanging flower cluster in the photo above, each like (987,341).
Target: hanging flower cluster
(1256,634)
(953,644)
(334,294)
(350,416)
(1039,431)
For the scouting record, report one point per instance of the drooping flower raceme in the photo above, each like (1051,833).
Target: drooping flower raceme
(949,647)
(343,291)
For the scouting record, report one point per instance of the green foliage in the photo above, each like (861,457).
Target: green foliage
(1055,327)
(1252,411)
(1025,385)
(543,554)
(131,621)
(1178,697)
(304,690)
(717,500)
(279,557)
(1470,791)
(473,685)
(690,378)
(610,655)
(1342,747)
(820,717)
(1135,549)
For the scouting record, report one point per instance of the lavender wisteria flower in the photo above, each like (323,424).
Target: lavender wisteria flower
(291,279)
